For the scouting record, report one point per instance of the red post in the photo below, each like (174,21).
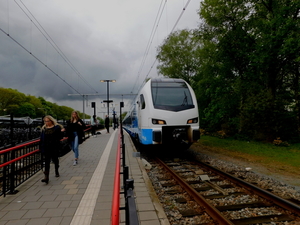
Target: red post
(115,212)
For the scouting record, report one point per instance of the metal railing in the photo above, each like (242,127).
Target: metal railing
(19,163)
(131,214)
(130,205)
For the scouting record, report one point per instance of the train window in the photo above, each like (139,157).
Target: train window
(172,96)
(143,104)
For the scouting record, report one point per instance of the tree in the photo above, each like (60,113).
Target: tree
(246,59)
(65,112)
(10,100)
(177,56)
(26,109)
(257,43)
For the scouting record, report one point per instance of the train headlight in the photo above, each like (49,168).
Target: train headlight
(156,121)
(194,120)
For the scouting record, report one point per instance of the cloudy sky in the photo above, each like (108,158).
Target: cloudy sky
(54,48)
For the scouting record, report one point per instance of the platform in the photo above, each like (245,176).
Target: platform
(82,195)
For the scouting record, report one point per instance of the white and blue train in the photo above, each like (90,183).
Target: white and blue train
(164,112)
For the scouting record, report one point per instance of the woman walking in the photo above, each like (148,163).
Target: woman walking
(75,131)
(50,144)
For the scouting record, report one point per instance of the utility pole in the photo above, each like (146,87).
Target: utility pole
(107,101)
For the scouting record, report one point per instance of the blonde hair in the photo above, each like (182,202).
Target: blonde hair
(51,119)
(77,116)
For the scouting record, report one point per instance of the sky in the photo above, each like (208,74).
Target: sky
(61,49)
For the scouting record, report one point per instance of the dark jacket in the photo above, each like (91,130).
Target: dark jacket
(75,127)
(50,139)
(106,122)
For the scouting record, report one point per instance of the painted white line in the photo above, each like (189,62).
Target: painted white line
(84,212)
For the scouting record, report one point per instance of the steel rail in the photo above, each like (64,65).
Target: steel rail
(256,190)
(209,209)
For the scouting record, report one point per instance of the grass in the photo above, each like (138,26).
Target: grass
(276,158)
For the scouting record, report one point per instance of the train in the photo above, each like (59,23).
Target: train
(164,112)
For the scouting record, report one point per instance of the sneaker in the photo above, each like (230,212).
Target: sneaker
(75,163)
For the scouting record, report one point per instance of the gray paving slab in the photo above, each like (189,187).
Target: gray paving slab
(59,202)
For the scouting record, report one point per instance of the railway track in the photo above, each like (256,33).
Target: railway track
(196,193)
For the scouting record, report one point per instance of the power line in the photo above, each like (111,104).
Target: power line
(52,43)
(153,32)
(183,10)
(39,60)
(152,36)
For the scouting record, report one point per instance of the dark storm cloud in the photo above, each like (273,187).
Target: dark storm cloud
(96,40)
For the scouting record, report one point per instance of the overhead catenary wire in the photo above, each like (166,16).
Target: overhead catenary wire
(183,10)
(35,22)
(175,25)
(53,44)
(40,61)
(153,32)
(151,38)
(48,38)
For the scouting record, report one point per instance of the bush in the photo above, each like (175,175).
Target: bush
(279,142)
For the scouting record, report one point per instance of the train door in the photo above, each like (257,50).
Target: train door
(140,108)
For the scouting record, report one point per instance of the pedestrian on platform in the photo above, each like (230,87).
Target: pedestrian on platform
(114,122)
(107,124)
(75,133)
(51,134)
(94,124)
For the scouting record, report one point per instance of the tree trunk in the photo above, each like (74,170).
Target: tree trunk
(297,98)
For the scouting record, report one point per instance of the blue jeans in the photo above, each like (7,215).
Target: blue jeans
(75,145)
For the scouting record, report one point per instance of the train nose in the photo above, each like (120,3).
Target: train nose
(179,134)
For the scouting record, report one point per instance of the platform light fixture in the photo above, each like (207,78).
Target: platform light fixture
(108,101)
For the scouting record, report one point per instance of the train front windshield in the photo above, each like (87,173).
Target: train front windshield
(172,96)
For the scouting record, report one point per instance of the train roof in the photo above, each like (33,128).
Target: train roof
(161,80)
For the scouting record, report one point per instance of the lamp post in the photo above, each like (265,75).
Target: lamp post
(108,101)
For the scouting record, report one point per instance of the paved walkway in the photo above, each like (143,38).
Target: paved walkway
(82,195)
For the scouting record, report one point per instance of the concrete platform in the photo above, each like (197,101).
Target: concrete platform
(82,195)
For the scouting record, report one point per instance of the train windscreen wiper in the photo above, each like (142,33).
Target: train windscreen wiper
(185,102)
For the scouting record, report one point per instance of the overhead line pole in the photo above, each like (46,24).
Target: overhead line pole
(85,95)
(108,101)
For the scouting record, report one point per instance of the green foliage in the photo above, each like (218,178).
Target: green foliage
(288,154)
(12,101)
(100,120)
(245,73)
(176,55)
(123,115)
(64,112)
(26,109)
